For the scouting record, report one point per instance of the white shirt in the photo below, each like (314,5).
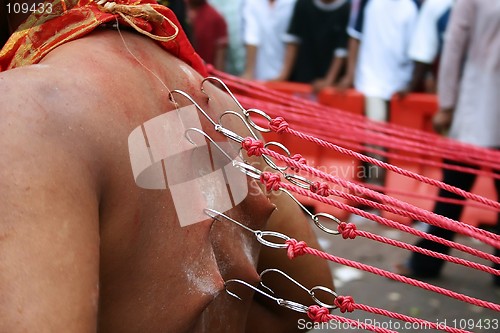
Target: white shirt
(265,26)
(383,65)
(469,74)
(426,40)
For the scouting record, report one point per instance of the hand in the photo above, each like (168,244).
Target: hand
(345,83)
(319,85)
(442,120)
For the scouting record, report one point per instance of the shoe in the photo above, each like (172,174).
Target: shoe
(405,270)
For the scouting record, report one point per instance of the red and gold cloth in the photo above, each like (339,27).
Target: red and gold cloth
(68,20)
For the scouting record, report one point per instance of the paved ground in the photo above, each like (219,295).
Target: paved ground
(381,292)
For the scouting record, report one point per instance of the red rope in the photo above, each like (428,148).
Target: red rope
(273,182)
(257,90)
(322,315)
(347,304)
(424,215)
(350,231)
(425,197)
(393,224)
(347,134)
(312,111)
(393,168)
(348,129)
(296,248)
(423,323)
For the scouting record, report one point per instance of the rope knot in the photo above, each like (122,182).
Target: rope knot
(272,181)
(318,314)
(320,189)
(299,159)
(145,11)
(278,125)
(295,248)
(252,146)
(344,303)
(348,230)
(139,17)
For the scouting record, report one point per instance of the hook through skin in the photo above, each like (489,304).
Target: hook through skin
(309,291)
(280,301)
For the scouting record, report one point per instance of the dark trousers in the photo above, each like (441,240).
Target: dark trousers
(425,266)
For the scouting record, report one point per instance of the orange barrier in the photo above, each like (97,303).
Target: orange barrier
(416,111)
(350,100)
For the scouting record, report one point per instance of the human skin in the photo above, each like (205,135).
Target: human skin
(82,247)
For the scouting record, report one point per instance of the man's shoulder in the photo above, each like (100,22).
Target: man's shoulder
(41,91)
(47,107)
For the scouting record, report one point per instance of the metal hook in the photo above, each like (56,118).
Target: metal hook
(316,221)
(242,120)
(315,217)
(270,162)
(280,301)
(266,158)
(253,124)
(255,173)
(246,112)
(259,234)
(186,95)
(309,291)
(247,169)
(224,131)
(230,134)
(186,134)
(282,273)
(299,181)
(213,78)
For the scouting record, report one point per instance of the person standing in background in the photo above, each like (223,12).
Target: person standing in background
(378,63)
(265,25)
(316,42)
(233,13)
(427,43)
(209,32)
(469,107)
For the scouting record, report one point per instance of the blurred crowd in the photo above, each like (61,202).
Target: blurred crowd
(380,47)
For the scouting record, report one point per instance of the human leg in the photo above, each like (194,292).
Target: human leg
(426,266)
(376,109)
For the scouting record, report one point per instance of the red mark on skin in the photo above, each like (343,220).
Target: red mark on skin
(137,219)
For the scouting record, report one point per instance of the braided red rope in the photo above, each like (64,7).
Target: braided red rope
(387,166)
(348,136)
(393,224)
(322,315)
(347,304)
(433,198)
(424,215)
(349,231)
(298,248)
(389,136)
(311,112)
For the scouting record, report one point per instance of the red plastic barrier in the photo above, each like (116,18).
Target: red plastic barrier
(416,111)
(349,100)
